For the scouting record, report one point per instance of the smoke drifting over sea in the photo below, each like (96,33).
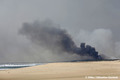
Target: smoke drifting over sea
(51,37)
(47,35)
(94,22)
(45,41)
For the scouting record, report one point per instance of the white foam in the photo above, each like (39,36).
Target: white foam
(12,66)
(15,65)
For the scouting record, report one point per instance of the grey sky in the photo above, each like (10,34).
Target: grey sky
(73,15)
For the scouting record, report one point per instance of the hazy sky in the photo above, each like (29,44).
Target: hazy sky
(84,17)
(71,14)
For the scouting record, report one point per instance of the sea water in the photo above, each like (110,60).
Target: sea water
(5,66)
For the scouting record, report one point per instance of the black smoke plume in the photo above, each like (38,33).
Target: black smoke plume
(52,37)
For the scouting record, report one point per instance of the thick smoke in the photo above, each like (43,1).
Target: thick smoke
(45,34)
(102,39)
(51,37)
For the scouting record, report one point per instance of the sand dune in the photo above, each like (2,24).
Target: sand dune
(66,71)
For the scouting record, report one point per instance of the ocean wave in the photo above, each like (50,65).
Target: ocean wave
(13,66)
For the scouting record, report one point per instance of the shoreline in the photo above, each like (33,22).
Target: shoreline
(64,71)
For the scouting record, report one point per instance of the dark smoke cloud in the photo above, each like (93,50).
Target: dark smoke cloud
(53,38)
(47,35)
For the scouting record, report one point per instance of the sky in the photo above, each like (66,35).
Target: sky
(95,22)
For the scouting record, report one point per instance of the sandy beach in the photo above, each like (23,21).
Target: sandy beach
(66,71)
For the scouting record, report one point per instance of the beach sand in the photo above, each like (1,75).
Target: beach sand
(66,71)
